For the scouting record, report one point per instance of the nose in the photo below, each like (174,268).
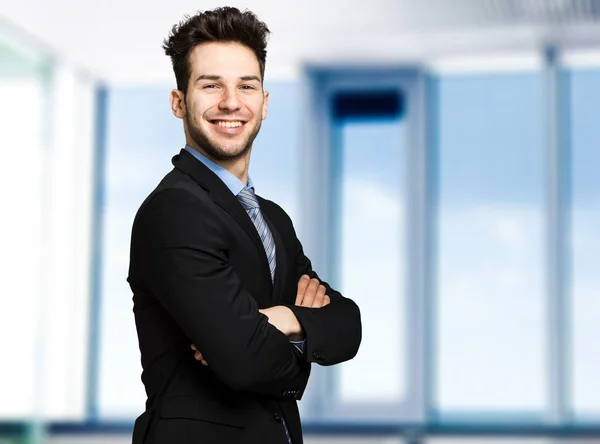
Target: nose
(229,100)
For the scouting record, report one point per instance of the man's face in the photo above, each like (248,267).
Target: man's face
(225,101)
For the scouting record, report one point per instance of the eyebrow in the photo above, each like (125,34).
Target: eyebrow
(215,77)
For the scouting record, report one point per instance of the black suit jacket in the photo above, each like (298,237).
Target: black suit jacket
(199,274)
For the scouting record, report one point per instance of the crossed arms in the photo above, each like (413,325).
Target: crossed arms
(179,252)
(311,293)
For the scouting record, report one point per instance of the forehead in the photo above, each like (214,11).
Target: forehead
(223,59)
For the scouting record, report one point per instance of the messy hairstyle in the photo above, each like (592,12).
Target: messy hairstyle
(224,24)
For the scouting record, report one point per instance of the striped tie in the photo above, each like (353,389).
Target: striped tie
(250,203)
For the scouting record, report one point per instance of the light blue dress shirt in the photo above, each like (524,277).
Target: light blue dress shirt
(235,185)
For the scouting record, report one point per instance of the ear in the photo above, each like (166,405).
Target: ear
(265,105)
(177,99)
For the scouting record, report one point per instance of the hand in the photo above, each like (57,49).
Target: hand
(198,356)
(311,293)
(283,319)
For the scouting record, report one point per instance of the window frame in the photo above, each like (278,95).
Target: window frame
(318,211)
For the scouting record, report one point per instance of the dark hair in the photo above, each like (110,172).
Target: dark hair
(224,24)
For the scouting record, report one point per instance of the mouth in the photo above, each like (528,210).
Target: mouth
(228,126)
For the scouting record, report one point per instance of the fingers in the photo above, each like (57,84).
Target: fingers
(310,293)
(302,284)
(198,356)
(318,302)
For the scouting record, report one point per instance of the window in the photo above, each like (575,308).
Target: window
(141,137)
(490,336)
(47,137)
(363,208)
(370,170)
(585,223)
(22,100)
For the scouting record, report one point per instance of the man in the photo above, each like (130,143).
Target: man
(229,313)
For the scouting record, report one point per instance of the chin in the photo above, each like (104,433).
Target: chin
(231,152)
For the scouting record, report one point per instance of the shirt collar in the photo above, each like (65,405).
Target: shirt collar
(234,184)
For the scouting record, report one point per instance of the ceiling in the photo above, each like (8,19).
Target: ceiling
(119,41)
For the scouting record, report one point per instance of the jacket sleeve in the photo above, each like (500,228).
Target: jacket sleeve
(334,332)
(182,259)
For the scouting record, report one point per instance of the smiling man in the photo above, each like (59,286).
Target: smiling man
(229,313)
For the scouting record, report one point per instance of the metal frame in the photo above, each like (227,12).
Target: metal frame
(416,432)
(430,241)
(92,403)
(559,252)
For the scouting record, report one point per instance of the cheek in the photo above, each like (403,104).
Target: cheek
(196,110)
(198,115)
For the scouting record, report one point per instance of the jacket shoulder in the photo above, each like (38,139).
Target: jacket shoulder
(175,182)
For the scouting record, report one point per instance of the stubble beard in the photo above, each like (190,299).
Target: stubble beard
(215,150)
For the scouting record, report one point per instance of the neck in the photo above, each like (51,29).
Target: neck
(238,166)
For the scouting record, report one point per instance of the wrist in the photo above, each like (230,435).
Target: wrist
(293,328)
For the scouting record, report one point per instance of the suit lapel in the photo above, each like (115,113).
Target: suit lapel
(223,197)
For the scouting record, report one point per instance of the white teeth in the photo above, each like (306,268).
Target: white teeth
(226,124)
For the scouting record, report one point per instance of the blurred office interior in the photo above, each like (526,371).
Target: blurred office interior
(438,159)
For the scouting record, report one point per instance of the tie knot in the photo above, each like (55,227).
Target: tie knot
(248,199)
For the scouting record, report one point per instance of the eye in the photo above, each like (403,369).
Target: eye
(247,87)
(209,86)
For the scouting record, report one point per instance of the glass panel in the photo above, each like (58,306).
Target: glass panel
(68,227)
(22,106)
(491,338)
(585,94)
(139,147)
(371,255)
(46,110)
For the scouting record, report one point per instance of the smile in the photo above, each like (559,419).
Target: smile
(230,127)
(228,123)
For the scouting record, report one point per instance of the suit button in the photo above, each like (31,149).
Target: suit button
(289,393)
(278,417)
(319,356)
